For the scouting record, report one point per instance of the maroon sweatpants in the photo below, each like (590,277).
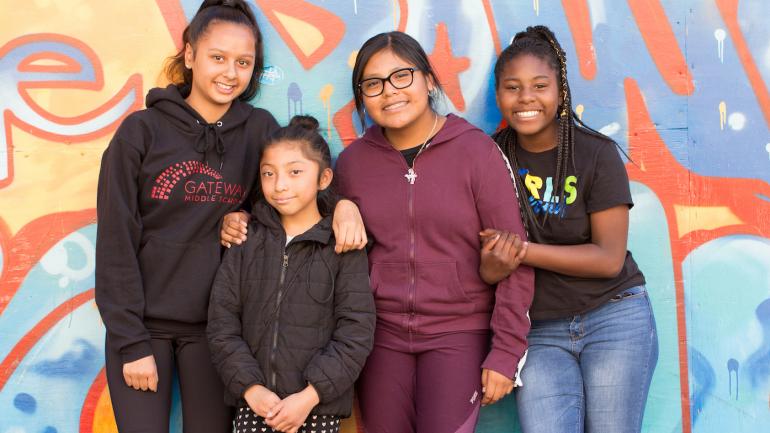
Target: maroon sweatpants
(202,392)
(422,383)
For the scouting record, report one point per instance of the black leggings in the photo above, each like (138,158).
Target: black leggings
(203,408)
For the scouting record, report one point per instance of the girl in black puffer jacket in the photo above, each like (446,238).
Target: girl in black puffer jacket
(291,322)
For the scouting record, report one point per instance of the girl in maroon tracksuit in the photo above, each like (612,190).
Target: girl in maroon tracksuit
(426,184)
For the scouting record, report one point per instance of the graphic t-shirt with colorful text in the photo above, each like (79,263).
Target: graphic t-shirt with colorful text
(598,181)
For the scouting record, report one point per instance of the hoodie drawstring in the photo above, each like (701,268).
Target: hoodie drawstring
(210,137)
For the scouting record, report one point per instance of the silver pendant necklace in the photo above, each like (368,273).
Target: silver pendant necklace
(411,175)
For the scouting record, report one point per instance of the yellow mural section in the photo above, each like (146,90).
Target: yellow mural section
(104,419)
(128,37)
(307,37)
(693,218)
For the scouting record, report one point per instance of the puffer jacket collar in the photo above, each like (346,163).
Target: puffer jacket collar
(268,217)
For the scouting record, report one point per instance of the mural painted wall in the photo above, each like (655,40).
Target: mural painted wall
(680,84)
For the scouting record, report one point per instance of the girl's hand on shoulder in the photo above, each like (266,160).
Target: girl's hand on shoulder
(234,228)
(291,413)
(494,386)
(261,400)
(501,254)
(142,374)
(348,227)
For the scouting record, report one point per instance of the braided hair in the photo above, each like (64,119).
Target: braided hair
(540,41)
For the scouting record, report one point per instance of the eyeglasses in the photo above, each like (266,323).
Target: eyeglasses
(400,79)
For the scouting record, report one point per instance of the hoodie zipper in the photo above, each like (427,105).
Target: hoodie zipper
(412,289)
(412,265)
(412,292)
(274,345)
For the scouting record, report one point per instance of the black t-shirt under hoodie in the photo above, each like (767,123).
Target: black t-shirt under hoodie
(167,178)
(598,182)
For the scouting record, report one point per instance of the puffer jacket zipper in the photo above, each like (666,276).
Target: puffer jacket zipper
(274,344)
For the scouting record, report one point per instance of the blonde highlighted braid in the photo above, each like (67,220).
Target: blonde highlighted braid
(541,42)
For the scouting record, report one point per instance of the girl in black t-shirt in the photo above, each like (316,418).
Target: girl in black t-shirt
(593,344)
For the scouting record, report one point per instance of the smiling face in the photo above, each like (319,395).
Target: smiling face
(528,98)
(291,182)
(222,63)
(397,108)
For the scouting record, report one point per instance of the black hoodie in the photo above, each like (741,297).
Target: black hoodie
(167,178)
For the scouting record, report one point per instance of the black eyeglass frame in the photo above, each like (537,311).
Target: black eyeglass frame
(388,79)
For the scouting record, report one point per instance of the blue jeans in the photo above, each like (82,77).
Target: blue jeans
(591,372)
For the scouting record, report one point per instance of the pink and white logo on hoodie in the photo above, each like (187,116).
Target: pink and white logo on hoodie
(214,190)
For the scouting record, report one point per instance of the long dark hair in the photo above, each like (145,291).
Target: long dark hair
(304,130)
(211,11)
(541,42)
(403,46)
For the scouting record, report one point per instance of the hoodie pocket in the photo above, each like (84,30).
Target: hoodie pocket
(390,285)
(177,278)
(438,290)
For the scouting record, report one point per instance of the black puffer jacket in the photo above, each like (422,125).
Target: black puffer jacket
(283,317)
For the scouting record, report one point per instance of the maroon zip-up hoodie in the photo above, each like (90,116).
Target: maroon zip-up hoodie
(424,266)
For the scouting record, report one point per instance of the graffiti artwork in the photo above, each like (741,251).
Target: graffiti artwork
(681,85)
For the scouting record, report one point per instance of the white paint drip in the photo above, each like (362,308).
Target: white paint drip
(736,121)
(720,36)
(597,11)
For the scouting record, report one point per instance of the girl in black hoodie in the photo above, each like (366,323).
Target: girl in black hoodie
(291,322)
(167,178)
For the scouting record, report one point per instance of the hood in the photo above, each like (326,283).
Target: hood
(453,127)
(205,137)
(267,216)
